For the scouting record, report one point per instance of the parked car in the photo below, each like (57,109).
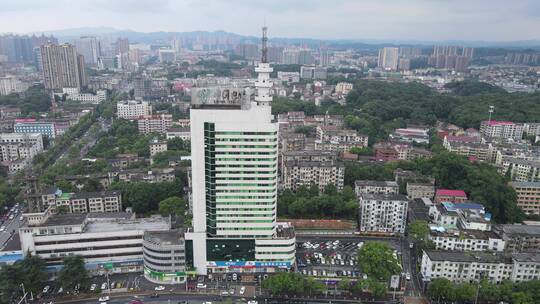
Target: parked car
(201,285)
(159,288)
(242,290)
(46,289)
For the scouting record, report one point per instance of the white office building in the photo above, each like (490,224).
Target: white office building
(234,159)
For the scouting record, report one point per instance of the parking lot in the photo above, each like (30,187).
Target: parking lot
(333,258)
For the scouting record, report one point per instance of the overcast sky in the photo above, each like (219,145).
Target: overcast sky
(493,20)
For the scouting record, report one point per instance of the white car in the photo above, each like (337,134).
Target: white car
(104,299)
(2,228)
(408,276)
(103,286)
(253,302)
(234,276)
(21,218)
(201,285)
(46,289)
(159,288)
(93,287)
(242,290)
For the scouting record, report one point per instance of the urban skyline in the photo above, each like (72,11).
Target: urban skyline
(419,20)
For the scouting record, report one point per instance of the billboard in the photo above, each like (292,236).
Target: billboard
(248,264)
(220,95)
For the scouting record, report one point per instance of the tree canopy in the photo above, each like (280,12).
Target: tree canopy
(73,273)
(377,261)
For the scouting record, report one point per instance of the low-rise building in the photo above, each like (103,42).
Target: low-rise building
(420,189)
(521,170)
(467,240)
(447,195)
(184,133)
(29,125)
(17,150)
(410,135)
(306,173)
(375,187)
(155,175)
(519,238)
(466,216)
(157,146)
(81,202)
(107,241)
(154,123)
(528,196)
(337,135)
(459,266)
(164,256)
(382,213)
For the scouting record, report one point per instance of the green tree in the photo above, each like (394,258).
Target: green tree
(73,273)
(418,231)
(174,206)
(465,292)
(33,268)
(441,289)
(377,261)
(376,288)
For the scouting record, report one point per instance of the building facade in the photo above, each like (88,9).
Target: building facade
(133,109)
(528,196)
(382,213)
(501,130)
(62,66)
(164,256)
(154,123)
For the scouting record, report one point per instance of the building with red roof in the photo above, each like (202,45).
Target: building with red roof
(447,195)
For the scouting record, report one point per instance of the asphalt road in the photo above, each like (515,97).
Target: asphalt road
(12,226)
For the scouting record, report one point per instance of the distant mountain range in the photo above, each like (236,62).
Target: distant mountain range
(163,37)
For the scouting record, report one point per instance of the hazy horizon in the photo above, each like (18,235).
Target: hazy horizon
(414,20)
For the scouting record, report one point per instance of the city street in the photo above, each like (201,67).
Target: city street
(11,227)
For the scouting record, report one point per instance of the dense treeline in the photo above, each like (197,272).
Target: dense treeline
(308,203)
(33,101)
(123,137)
(144,198)
(480,181)
(375,107)
(443,290)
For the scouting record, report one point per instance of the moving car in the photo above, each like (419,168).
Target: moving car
(201,285)
(104,285)
(408,276)
(159,288)
(104,299)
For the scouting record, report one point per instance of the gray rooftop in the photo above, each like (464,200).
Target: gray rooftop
(383,197)
(463,256)
(154,223)
(527,257)
(65,219)
(170,237)
(525,184)
(519,230)
(375,183)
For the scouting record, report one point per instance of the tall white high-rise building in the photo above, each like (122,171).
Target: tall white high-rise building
(234,159)
(90,48)
(388,58)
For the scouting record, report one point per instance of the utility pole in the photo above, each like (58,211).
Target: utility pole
(24,293)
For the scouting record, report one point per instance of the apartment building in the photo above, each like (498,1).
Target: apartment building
(375,187)
(157,146)
(467,240)
(81,202)
(519,238)
(501,130)
(154,123)
(420,189)
(528,196)
(382,213)
(18,149)
(133,109)
(29,125)
(459,266)
(183,133)
(306,173)
(521,170)
(338,136)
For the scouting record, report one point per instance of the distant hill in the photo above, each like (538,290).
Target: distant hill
(163,37)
